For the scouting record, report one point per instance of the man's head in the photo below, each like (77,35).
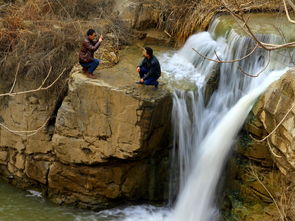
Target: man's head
(91,34)
(148,52)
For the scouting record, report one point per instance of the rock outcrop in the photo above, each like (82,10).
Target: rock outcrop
(107,144)
(263,167)
(139,14)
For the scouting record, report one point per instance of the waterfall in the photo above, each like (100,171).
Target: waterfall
(204,132)
(205,129)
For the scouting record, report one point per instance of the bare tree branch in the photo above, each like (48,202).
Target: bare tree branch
(221,61)
(279,124)
(26,133)
(256,176)
(291,4)
(271,150)
(287,11)
(15,78)
(260,72)
(245,27)
(29,133)
(40,88)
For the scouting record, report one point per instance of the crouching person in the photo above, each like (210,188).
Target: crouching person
(86,56)
(149,69)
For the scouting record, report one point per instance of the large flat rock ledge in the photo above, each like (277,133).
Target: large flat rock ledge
(109,144)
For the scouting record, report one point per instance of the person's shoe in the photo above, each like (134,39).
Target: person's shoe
(156,85)
(84,69)
(90,75)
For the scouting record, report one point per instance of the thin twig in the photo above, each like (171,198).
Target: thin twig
(260,72)
(248,30)
(34,90)
(285,40)
(167,33)
(27,133)
(269,193)
(291,4)
(45,79)
(218,58)
(221,61)
(283,119)
(271,150)
(287,12)
(15,78)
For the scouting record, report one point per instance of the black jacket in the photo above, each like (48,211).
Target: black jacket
(153,67)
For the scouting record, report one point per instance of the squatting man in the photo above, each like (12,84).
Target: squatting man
(86,56)
(149,68)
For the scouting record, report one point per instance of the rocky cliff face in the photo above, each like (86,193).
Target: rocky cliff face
(103,142)
(263,167)
(107,144)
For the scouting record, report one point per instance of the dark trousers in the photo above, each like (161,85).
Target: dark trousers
(150,80)
(91,66)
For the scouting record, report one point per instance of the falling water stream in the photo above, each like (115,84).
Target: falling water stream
(204,129)
(204,133)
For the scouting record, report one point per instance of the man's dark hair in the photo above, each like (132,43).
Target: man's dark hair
(149,51)
(90,32)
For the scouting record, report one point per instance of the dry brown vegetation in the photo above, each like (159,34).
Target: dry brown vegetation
(280,190)
(40,42)
(39,35)
(181,18)
(43,34)
(34,40)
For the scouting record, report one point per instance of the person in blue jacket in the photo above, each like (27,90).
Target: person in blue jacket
(149,68)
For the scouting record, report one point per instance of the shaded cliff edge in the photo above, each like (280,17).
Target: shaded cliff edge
(107,145)
(260,180)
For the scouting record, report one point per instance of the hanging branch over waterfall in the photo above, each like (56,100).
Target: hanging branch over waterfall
(218,60)
(243,24)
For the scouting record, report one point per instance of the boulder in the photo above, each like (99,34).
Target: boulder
(138,14)
(108,141)
(275,104)
(98,122)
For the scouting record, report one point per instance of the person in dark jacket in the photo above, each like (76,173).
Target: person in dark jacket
(149,69)
(86,55)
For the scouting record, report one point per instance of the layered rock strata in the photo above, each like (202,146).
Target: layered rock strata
(107,144)
(262,171)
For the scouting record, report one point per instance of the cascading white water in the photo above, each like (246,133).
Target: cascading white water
(204,134)
(196,200)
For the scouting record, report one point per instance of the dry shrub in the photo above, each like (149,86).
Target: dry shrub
(40,35)
(109,54)
(279,189)
(181,18)
(286,198)
(81,9)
